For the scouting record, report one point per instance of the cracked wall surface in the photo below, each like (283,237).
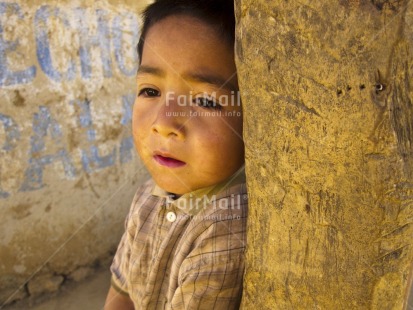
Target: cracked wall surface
(68,169)
(327,99)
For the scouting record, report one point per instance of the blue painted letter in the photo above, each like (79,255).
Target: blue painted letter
(12,136)
(93,161)
(126,145)
(127,101)
(8,77)
(43,46)
(87,41)
(118,33)
(12,132)
(42,124)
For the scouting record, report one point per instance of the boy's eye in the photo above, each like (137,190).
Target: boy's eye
(149,92)
(207,103)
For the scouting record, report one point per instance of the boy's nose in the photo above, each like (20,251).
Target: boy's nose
(171,119)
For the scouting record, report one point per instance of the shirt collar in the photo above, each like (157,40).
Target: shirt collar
(191,203)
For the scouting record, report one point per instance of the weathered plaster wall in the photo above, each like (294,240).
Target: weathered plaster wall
(327,97)
(68,169)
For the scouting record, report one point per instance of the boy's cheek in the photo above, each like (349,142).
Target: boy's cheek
(142,151)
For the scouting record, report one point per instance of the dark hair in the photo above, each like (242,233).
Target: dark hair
(217,13)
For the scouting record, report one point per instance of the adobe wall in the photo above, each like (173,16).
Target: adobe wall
(68,169)
(328,131)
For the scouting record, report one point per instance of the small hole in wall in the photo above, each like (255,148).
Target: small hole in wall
(379,87)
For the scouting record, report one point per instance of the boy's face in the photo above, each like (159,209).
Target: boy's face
(187,118)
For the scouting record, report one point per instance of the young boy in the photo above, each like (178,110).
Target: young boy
(185,236)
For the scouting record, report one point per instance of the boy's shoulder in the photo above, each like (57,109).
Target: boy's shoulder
(142,194)
(229,203)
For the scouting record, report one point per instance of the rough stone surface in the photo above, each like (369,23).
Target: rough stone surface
(68,169)
(81,273)
(327,98)
(13,295)
(44,284)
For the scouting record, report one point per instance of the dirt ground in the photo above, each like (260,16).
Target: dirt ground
(89,294)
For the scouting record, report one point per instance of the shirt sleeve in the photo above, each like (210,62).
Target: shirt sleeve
(121,261)
(120,264)
(211,286)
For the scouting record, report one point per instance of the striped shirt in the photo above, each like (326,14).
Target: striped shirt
(186,253)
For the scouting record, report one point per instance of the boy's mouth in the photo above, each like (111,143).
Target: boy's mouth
(166,161)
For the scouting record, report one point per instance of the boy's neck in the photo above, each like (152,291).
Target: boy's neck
(173,196)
